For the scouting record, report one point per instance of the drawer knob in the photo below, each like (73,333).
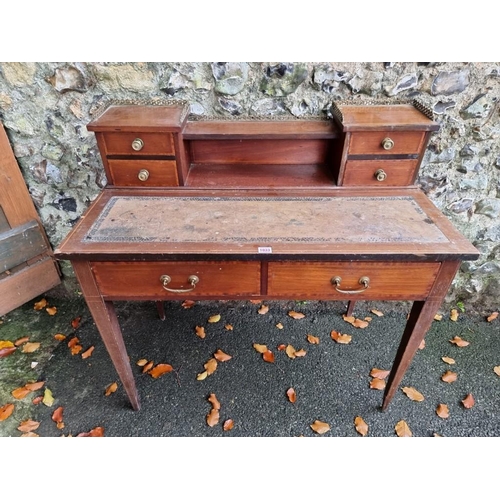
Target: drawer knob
(143,175)
(364,281)
(380,175)
(387,143)
(193,280)
(137,144)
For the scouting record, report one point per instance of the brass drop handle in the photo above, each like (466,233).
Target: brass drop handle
(137,144)
(380,175)
(193,280)
(364,280)
(387,143)
(143,175)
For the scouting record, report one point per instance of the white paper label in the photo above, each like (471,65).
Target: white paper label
(265,249)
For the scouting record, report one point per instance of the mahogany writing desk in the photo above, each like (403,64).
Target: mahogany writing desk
(299,209)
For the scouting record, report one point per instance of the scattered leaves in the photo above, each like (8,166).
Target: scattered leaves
(281,347)
(7,351)
(200,331)
(260,348)
(202,376)
(76,349)
(28,426)
(51,311)
(469,401)
(290,351)
(37,400)
(6,344)
(356,322)
(268,356)
(20,392)
(40,305)
(210,366)
(296,315)
(340,338)
(215,402)
(48,399)
(378,373)
(320,427)
(361,426)
(141,362)
(213,417)
(496,369)
(279,326)
(147,367)
(59,336)
(312,339)
(229,327)
(449,376)
(377,383)
(29,435)
(459,342)
(214,319)
(75,323)
(454,315)
(74,341)
(300,353)
(292,396)
(263,309)
(438,317)
(493,316)
(442,411)
(402,429)
(6,411)
(377,312)
(160,369)
(228,424)
(20,341)
(413,394)
(95,432)
(31,346)
(34,386)
(57,415)
(188,304)
(88,352)
(447,360)
(222,356)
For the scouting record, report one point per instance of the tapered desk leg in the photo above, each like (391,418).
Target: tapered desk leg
(161,309)
(417,325)
(350,307)
(104,316)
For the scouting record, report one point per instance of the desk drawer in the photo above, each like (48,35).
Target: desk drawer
(137,280)
(139,143)
(380,172)
(371,143)
(143,172)
(387,280)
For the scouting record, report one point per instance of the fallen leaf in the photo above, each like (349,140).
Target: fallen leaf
(228,424)
(20,392)
(263,309)
(59,336)
(215,402)
(312,339)
(34,386)
(76,322)
(37,400)
(361,426)
(141,362)
(442,411)
(202,376)
(28,426)
(413,394)
(454,315)
(268,356)
(281,347)
(31,346)
(320,427)
(214,319)
(40,305)
(96,432)
(111,388)
(377,312)
(188,304)
(88,352)
(449,376)
(256,301)
(213,417)
(496,369)
(340,338)
(377,373)
(368,318)
(57,415)
(260,348)
(459,342)
(6,411)
(76,349)
(356,322)
(7,351)
(160,369)
(222,356)
(6,344)
(422,344)
(402,429)
(296,315)
(74,341)
(210,366)
(377,383)
(300,353)
(279,326)
(492,317)
(228,327)
(290,351)
(200,331)
(448,360)
(469,401)
(438,317)
(348,319)
(292,396)
(20,341)
(147,367)
(48,399)
(51,311)
(60,425)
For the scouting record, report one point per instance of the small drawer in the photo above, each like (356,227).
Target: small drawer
(385,280)
(142,280)
(380,172)
(386,143)
(152,173)
(137,143)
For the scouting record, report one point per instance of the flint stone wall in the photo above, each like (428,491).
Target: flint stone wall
(45,108)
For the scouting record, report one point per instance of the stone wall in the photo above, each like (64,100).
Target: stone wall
(45,108)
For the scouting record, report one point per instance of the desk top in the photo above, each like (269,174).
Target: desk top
(345,223)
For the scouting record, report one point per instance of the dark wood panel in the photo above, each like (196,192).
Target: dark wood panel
(363,172)
(160,172)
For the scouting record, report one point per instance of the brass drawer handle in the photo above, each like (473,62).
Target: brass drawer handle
(364,280)
(143,175)
(380,175)
(137,144)
(387,143)
(166,279)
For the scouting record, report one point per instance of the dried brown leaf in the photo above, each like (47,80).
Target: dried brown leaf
(222,356)
(213,417)
(95,432)
(320,427)
(340,338)
(268,356)
(29,435)
(75,323)
(34,386)
(147,367)
(48,398)
(255,301)
(260,348)
(40,305)
(6,344)
(377,373)
(76,349)
(402,429)
(281,347)
(449,361)
(57,415)
(20,392)
(7,351)
(349,319)
(20,341)
(449,376)
(413,394)
(312,339)
(279,326)
(469,401)
(6,411)
(202,375)
(111,388)
(37,400)
(292,396)
(438,317)
(377,312)
(214,319)
(215,402)
(200,331)
(459,342)
(160,369)
(228,327)
(442,411)
(263,309)
(296,315)
(454,315)
(51,311)
(300,353)
(377,383)
(359,323)
(361,426)
(228,424)
(31,346)
(188,304)
(290,351)
(88,352)
(59,336)
(496,369)
(28,426)
(493,316)
(74,341)
(141,362)
(210,366)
